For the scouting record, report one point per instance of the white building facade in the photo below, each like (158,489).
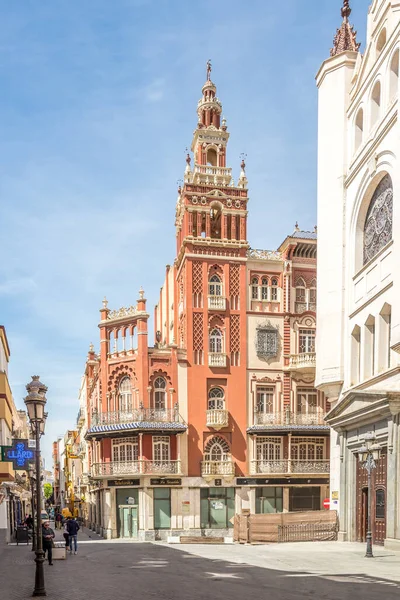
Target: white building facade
(358,310)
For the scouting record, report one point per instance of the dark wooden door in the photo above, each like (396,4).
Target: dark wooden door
(378,501)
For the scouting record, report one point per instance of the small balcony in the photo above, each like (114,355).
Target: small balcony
(217,418)
(221,468)
(290,418)
(216,303)
(304,362)
(135,467)
(300,307)
(151,415)
(289,466)
(216,359)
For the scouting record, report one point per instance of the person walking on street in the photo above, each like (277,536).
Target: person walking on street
(48,535)
(73,528)
(59,520)
(66,534)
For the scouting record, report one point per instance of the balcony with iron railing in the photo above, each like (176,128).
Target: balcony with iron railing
(216,303)
(290,418)
(289,466)
(220,468)
(217,418)
(304,362)
(150,415)
(135,467)
(216,359)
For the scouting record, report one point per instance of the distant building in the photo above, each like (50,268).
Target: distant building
(221,414)
(358,336)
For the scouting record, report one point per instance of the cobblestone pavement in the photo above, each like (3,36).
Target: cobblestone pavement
(105,570)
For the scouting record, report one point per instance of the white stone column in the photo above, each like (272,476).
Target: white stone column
(107,514)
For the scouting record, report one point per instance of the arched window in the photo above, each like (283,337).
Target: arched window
(313,295)
(394,77)
(212,157)
(216,341)
(301,297)
(215,286)
(254,288)
(264,288)
(378,222)
(125,394)
(160,400)
(217,450)
(274,289)
(375,103)
(216,399)
(359,129)
(381,41)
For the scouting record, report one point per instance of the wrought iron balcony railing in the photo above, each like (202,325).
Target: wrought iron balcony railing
(152,415)
(290,418)
(136,467)
(217,418)
(302,362)
(285,466)
(216,359)
(216,302)
(215,468)
(300,307)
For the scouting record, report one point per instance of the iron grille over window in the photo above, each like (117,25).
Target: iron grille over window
(266,341)
(378,223)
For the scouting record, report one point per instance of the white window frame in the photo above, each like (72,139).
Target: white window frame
(216,399)
(161,448)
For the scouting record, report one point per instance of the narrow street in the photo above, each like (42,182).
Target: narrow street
(104,570)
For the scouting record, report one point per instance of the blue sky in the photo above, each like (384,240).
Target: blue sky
(98,104)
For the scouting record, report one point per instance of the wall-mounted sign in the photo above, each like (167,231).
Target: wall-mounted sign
(281,481)
(335,495)
(165,481)
(218,482)
(186,506)
(122,482)
(18,453)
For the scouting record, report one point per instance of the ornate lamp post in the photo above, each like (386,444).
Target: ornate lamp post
(31,475)
(35,402)
(368,455)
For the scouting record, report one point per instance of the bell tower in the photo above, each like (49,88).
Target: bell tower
(211,232)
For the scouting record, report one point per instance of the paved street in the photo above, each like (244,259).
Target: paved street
(104,570)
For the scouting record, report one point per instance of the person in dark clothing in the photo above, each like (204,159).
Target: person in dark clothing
(73,528)
(48,535)
(59,520)
(29,521)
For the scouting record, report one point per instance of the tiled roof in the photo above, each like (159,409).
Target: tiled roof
(150,425)
(305,235)
(261,428)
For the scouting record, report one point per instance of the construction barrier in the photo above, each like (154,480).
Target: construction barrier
(320,525)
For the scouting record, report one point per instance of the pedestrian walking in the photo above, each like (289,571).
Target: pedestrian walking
(66,534)
(48,536)
(73,528)
(59,520)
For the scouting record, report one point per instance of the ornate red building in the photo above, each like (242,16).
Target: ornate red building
(220,414)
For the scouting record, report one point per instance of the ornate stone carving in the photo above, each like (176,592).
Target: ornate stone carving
(119,313)
(267,340)
(378,223)
(264,254)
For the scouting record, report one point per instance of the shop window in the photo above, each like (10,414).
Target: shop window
(269,500)
(162,508)
(304,498)
(217,507)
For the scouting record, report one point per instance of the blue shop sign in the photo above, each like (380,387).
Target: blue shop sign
(18,453)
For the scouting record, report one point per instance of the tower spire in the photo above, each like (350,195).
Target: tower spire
(345,38)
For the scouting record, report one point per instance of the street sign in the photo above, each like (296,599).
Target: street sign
(327,503)
(18,453)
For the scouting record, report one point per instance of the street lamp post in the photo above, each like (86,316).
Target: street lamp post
(35,402)
(31,474)
(368,455)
